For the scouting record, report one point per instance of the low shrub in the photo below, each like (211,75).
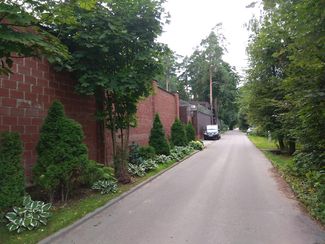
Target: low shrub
(147,152)
(105,186)
(136,170)
(161,159)
(94,172)
(149,164)
(12,185)
(29,217)
(196,145)
(135,155)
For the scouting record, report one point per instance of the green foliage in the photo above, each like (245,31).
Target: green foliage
(307,184)
(105,186)
(162,159)
(121,34)
(147,152)
(28,217)
(136,170)
(62,156)
(196,145)
(178,135)
(285,93)
(179,152)
(22,36)
(149,164)
(93,172)
(157,137)
(134,154)
(190,132)
(12,185)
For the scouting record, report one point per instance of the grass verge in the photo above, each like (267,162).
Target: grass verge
(305,185)
(64,215)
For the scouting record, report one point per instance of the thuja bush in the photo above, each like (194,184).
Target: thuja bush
(190,132)
(62,156)
(157,137)
(178,134)
(12,186)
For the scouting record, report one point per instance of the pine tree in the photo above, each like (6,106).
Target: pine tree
(190,132)
(158,138)
(62,156)
(178,134)
(12,185)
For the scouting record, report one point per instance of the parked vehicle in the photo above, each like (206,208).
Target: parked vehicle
(211,133)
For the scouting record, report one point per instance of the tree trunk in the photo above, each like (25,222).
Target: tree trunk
(292,146)
(281,143)
(101,138)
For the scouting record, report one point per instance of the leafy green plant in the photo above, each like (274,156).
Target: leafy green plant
(196,145)
(147,152)
(62,155)
(136,170)
(178,135)
(161,159)
(134,154)
(12,185)
(28,217)
(94,171)
(149,164)
(157,137)
(105,186)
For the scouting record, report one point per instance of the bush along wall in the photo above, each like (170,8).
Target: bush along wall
(62,156)
(178,134)
(190,132)
(157,137)
(12,185)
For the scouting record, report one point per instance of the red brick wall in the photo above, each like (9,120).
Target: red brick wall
(164,103)
(26,95)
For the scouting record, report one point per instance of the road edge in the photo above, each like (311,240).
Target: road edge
(80,221)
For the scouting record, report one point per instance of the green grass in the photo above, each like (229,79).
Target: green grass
(262,142)
(67,214)
(304,185)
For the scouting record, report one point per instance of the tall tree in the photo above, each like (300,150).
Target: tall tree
(114,57)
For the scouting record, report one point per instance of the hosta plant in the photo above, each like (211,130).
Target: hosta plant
(28,217)
(137,170)
(161,159)
(197,145)
(105,186)
(149,164)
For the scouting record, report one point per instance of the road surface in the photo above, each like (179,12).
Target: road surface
(227,193)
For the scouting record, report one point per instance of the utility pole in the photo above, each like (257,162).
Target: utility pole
(211,99)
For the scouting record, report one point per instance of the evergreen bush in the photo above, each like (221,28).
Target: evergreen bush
(158,138)
(147,152)
(190,132)
(12,185)
(62,156)
(178,135)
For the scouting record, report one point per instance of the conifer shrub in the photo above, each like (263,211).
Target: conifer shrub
(12,185)
(157,137)
(190,132)
(147,152)
(178,134)
(62,155)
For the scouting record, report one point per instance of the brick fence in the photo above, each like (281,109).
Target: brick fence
(26,95)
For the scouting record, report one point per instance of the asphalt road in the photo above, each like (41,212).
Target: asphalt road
(227,193)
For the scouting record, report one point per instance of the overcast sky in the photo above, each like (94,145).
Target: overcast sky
(193,20)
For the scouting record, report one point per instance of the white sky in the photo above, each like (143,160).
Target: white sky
(193,20)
